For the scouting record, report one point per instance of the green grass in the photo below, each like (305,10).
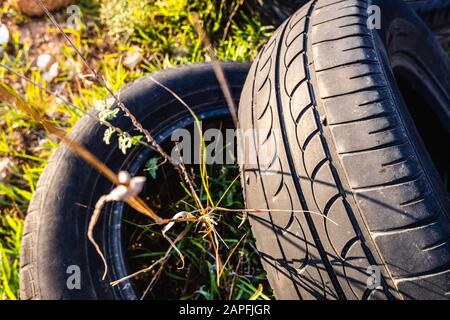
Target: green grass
(10,233)
(162,31)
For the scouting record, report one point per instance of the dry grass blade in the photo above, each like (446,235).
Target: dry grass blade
(238,264)
(153,281)
(67,102)
(225,192)
(273,210)
(230,255)
(230,19)
(97,210)
(179,215)
(159,261)
(220,75)
(181,165)
(259,293)
(16,101)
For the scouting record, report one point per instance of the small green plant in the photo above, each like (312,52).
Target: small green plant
(240,274)
(151,166)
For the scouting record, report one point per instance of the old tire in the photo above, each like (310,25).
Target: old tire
(334,138)
(275,12)
(439,22)
(55,233)
(428,5)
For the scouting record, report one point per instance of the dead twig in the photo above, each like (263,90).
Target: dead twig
(230,19)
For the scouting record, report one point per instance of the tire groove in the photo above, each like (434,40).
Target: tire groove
(262,180)
(322,252)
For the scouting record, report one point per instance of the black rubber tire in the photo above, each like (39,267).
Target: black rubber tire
(55,228)
(333,136)
(435,13)
(274,12)
(427,5)
(439,22)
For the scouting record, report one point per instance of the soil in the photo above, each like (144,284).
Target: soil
(32,8)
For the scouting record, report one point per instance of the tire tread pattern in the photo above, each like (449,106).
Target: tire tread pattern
(343,152)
